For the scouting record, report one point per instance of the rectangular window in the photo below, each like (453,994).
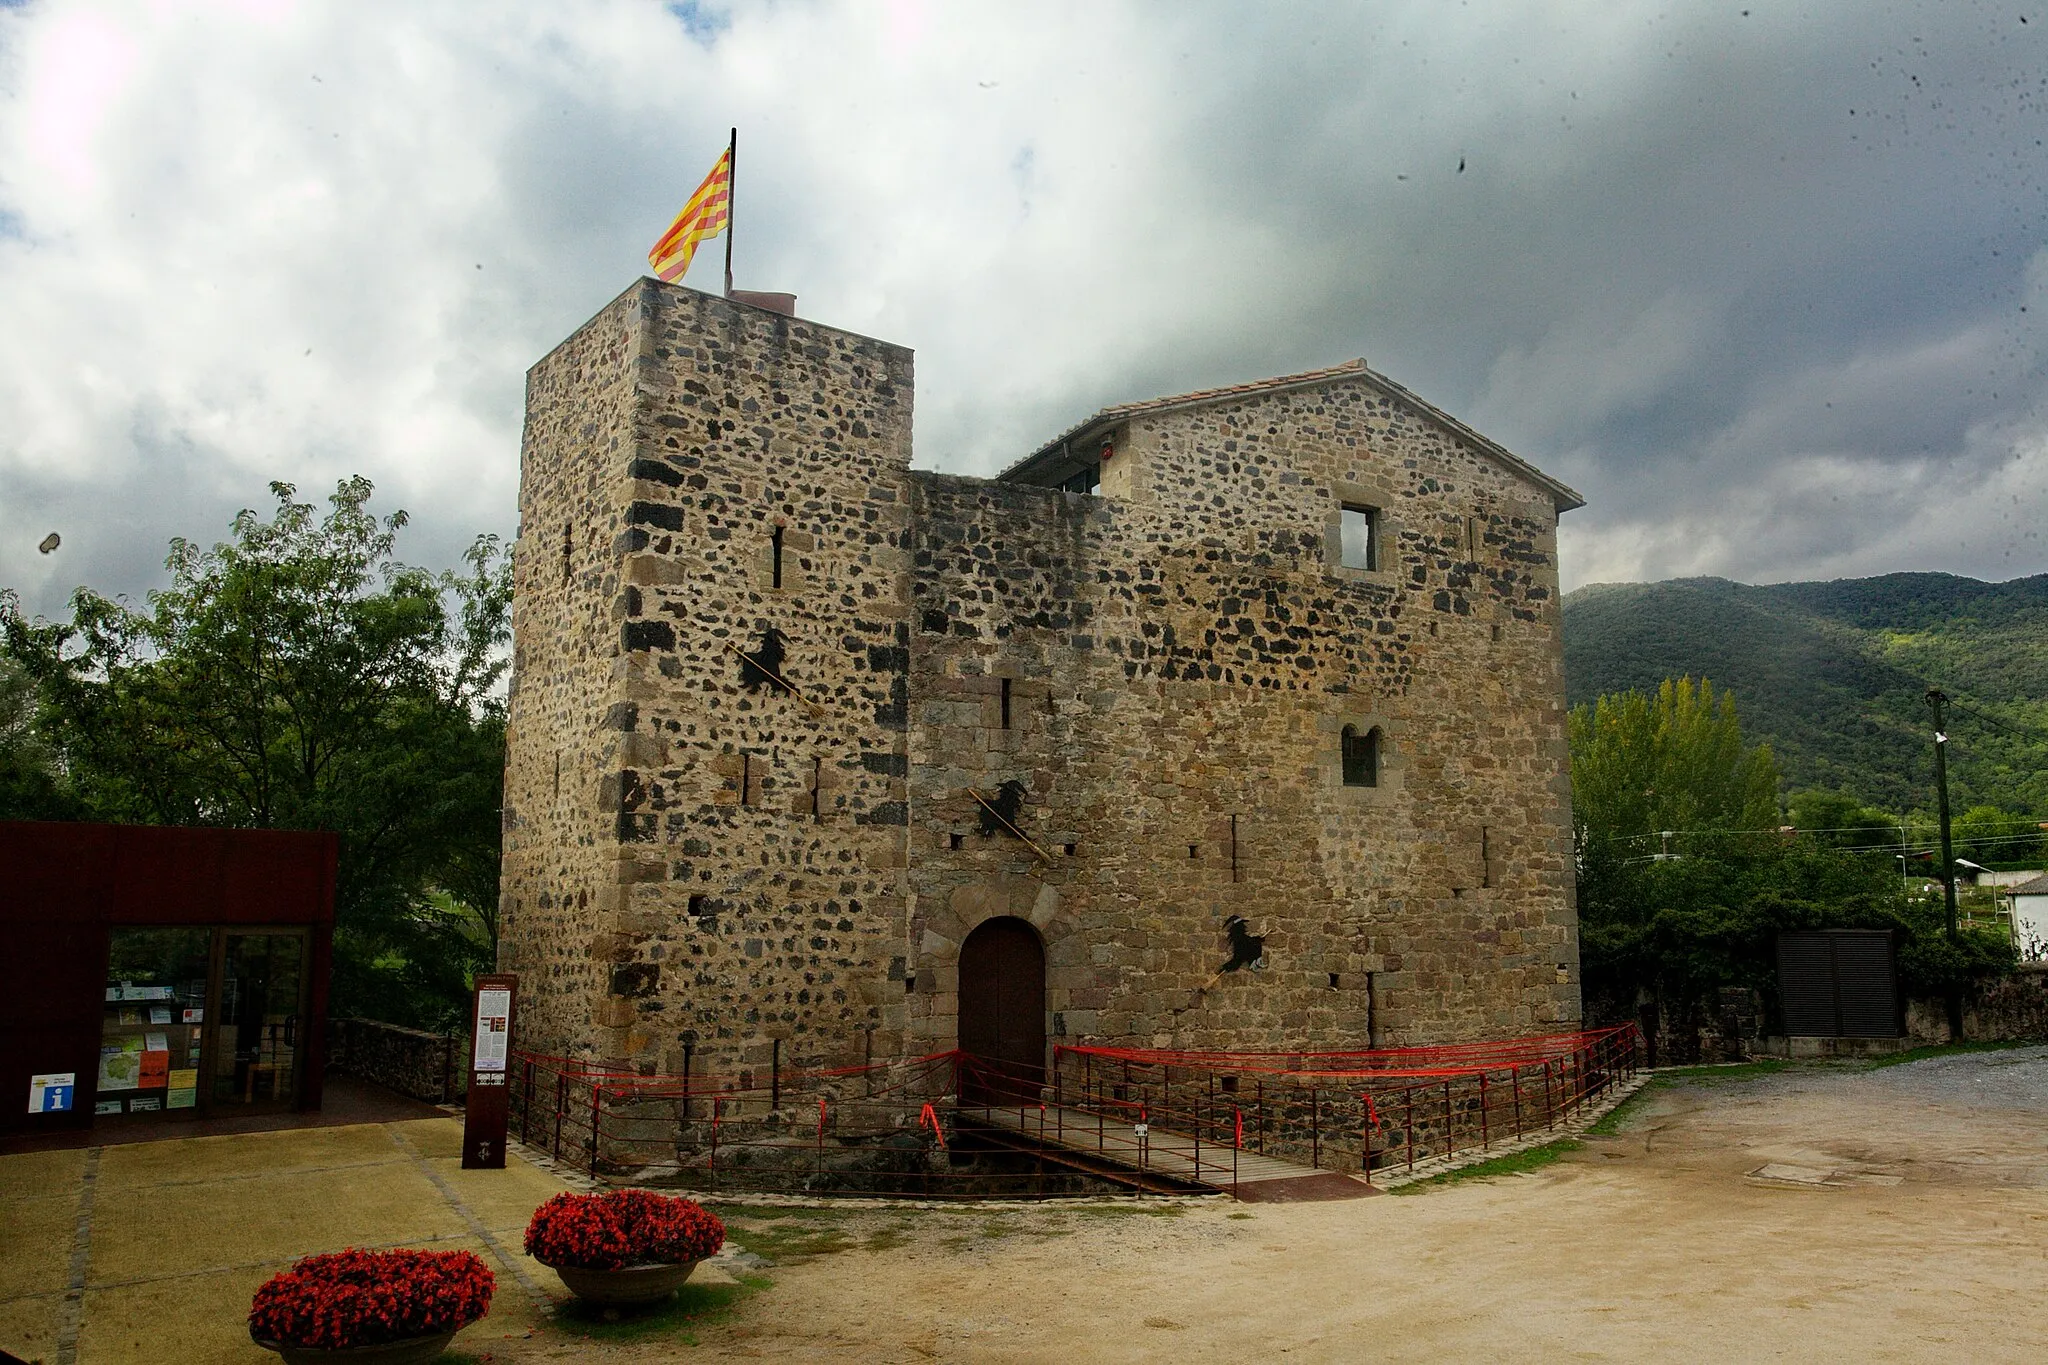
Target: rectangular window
(1359,537)
(1087,480)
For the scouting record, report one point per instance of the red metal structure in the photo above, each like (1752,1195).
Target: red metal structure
(1152,1121)
(261,902)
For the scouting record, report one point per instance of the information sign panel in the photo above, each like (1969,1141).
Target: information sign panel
(51,1094)
(488,1106)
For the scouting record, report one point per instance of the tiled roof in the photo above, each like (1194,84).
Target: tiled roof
(1565,497)
(2036,887)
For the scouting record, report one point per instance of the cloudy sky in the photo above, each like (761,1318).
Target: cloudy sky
(1766,281)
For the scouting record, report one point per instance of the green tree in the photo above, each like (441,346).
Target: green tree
(1838,821)
(1674,919)
(1988,834)
(298,676)
(1642,765)
(31,783)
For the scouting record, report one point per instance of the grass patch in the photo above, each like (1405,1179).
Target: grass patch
(1733,1071)
(694,1305)
(889,1238)
(1515,1163)
(1237,1215)
(1610,1123)
(793,1241)
(749,1213)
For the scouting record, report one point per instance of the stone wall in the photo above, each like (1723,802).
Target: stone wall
(1162,672)
(723,867)
(427,1066)
(1179,665)
(2009,1009)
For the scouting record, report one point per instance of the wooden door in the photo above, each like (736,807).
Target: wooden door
(1002,1012)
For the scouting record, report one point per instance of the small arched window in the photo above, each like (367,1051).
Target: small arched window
(1361,757)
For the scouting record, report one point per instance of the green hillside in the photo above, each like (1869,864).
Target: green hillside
(1833,674)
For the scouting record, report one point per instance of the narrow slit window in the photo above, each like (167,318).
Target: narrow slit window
(568,549)
(1006,703)
(1361,757)
(1358,532)
(775,544)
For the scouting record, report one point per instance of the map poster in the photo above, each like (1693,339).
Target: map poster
(120,1068)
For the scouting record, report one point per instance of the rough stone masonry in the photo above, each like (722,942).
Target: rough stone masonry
(1263,735)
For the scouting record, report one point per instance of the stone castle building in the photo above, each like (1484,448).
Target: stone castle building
(1233,720)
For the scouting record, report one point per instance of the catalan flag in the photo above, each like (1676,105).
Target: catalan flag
(708,213)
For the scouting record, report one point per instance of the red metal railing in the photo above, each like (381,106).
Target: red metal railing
(1357,1111)
(953,1125)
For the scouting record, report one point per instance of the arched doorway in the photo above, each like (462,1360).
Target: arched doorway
(1002,1012)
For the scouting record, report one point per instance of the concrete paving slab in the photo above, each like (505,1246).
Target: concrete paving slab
(28,1326)
(502,1201)
(184,1231)
(145,1232)
(239,1154)
(35,1250)
(39,1175)
(434,1138)
(201,1319)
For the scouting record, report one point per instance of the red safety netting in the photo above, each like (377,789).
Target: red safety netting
(1411,1063)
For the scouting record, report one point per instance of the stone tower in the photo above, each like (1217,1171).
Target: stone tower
(1227,721)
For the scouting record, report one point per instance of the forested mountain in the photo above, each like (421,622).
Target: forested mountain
(1834,674)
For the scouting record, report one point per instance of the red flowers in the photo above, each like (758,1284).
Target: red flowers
(624,1227)
(367,1298)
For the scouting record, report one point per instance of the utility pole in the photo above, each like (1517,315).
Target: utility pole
(1937,699)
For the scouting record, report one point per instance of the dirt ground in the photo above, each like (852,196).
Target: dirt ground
(1900,1214)
(1810,1212)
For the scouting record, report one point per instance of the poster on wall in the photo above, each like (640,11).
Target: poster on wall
(156,1069)
(184,1090)
(493,1029)
(51,1093)
(106,1106)
(121,1066)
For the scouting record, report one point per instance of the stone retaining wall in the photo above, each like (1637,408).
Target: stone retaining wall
(427,1066)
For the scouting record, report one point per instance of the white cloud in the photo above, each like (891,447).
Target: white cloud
(249,241)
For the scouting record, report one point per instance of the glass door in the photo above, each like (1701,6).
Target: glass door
(152,1022)
(260,980)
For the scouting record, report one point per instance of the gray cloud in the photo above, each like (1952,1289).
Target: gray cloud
(1752,275)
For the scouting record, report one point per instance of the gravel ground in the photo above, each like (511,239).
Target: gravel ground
(1829,1211)
(2015,1078)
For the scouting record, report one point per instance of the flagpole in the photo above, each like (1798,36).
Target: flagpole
(732,167)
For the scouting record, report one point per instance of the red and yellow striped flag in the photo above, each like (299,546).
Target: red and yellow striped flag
(706,215)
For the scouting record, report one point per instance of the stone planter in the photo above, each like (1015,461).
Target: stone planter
(411,1351)
(628,1285)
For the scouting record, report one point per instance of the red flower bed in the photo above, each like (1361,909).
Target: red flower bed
(624,1227)
(367,1298)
